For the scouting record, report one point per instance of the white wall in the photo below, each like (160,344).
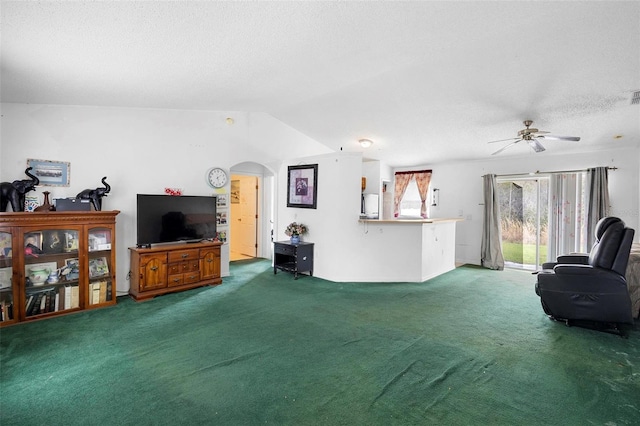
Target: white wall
(333,225)
(461,189)
(140,151)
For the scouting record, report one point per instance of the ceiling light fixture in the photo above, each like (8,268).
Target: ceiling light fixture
(365,143)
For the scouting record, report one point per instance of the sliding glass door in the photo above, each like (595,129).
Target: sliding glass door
(524,210)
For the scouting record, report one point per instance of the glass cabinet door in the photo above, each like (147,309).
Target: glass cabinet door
(7,312)
(101,270)
(51,271)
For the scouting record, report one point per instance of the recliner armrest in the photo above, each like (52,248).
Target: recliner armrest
(574,258)
(568,259)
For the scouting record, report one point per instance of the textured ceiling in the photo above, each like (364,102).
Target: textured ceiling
(426,81)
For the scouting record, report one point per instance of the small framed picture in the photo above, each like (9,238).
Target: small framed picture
(72,263)
(5,244)
(5,277)
(53,241)
(33,244)
(221,200)
(221,218)
(235,191)
(70,241)
(98,267)
(50,173)
(71,270)
(100,241)
(302,186)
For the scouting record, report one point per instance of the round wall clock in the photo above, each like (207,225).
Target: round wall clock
(216,177)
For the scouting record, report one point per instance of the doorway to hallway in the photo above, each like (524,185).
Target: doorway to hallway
(243,243)
(251,211)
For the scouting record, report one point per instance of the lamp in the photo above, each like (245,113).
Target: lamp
(365,143)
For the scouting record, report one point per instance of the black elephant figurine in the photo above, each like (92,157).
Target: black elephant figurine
(95,195)
(14,192)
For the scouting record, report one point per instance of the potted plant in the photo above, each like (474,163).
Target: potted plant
(294,230)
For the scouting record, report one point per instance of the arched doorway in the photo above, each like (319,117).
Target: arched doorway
(251,211)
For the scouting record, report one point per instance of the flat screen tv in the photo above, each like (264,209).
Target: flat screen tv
(168,219)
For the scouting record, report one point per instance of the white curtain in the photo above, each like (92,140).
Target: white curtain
(567,222)
(491,249)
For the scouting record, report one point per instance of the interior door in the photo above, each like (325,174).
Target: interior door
(247,220)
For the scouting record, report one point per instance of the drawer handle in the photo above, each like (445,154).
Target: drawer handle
(184,255)
(154,268)
(175,280)
(209,260)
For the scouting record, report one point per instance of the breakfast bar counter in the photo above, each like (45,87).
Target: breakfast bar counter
(406,250)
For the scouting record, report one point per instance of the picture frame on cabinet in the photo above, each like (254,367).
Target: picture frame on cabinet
(70,241)
(5,277)
(302,186)
(50,173)
(98,267)
(33,243)
(5,244)
(72,268)
(53,241)
(73,263)
(99,241)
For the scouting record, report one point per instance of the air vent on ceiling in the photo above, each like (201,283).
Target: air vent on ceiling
(635,98)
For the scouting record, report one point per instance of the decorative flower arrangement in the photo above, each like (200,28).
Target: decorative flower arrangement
(295,229)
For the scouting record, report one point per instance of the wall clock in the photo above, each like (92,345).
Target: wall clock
(216,177)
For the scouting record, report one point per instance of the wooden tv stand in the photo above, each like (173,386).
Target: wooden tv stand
(170,268)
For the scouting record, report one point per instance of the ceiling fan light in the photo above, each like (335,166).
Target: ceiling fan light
(365,143)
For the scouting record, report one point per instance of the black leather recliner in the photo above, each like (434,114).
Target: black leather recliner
(591,287)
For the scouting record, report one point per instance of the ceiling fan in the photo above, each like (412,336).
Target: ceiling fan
(533,136)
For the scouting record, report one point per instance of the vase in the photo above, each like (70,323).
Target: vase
(46,206)
(295,239)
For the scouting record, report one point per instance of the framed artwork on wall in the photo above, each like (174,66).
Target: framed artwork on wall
(302,186)
(50,173)
(235,191)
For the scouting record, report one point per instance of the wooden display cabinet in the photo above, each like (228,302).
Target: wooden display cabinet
(55,263)
(169,268)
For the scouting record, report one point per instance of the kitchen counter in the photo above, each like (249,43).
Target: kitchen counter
(433,220)
(404,250)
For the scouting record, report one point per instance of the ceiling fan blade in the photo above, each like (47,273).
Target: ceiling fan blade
(536,145)
(506,146)
(539,132)
(505,140)
(560,138)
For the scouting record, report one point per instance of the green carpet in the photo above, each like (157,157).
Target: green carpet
(469,347)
